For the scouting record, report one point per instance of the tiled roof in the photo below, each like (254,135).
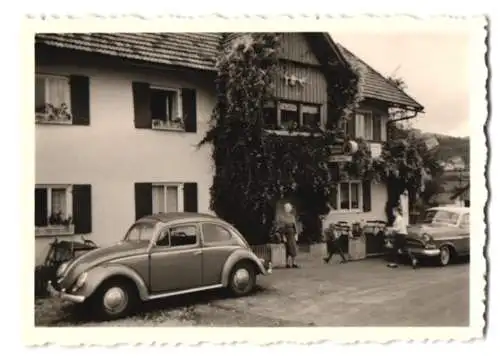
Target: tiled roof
(197,51)
(376,86)
(193,50)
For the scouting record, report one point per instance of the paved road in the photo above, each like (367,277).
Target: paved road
(364,293)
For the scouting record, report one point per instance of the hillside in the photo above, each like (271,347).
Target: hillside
(450,146)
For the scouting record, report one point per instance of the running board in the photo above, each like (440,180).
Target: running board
(182,292)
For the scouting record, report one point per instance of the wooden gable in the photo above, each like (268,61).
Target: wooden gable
(296,48)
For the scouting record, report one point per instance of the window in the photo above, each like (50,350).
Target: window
(52,99)
(311,117)
(166,198)
(183,235)
(347,196)
(213,233)
(166,109)
(367,125)
(141,232)
(465,221)
(52,206)
(282,115)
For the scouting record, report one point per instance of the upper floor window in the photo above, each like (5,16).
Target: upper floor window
(283,115)
(367,125)
(62,99)
(52,99)
(164,108)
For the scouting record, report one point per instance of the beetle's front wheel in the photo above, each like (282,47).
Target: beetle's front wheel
(242,279)
(114,299)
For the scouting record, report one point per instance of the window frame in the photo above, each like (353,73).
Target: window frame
(168,124)
(169,227)
(233,240)
(360,207)
(278,103)
(57,229)
(41,118)
(165,185)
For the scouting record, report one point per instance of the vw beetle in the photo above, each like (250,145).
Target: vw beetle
(161,255)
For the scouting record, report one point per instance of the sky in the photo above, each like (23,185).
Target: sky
(434,66)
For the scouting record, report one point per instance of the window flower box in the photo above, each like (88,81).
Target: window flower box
(176,124)
(54,230)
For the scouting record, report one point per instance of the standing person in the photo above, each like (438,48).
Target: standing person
(332,235)
(288,228)
(400,231)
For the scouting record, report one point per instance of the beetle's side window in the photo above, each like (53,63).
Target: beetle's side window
(183,235)
(164,238)
(213,233)
(465,221)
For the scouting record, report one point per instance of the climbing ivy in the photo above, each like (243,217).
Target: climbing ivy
(254,168)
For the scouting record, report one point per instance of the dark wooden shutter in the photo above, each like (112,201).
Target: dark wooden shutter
(367,196)
(351,127)
(80,99)
(189,109)
(143,199)
(142,105)
(41,216)
(191,197)
(377,127)
(82,208)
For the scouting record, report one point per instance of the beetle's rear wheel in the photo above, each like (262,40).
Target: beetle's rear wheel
(242,279)
(114,299)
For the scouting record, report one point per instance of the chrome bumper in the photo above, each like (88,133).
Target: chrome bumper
(63,295)
(424,252)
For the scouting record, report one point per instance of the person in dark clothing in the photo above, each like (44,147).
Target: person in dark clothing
(333,235)
(288,229)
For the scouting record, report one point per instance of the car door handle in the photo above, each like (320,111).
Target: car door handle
(197,252)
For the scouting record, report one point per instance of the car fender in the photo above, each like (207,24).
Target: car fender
(97,275)
(239,255)
(441,243)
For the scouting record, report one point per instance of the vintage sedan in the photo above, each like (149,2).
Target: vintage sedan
(442,235)
(161,255)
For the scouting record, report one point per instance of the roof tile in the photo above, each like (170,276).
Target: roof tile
(198,51)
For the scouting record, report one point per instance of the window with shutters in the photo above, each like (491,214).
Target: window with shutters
(166,109)
(167,198)
(347,196)
(52,99)
(53,210)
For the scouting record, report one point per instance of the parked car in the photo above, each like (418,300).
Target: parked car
(161,255)
(443,234)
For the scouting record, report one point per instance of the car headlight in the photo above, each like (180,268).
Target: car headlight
(426,238)
(62,268)
(80,281)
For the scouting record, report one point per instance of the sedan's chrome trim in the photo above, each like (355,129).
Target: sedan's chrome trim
(181,292)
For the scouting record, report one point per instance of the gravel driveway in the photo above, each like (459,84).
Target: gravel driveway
(362,293)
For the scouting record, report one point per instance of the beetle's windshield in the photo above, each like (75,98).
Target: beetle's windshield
(140,232)
(443,217)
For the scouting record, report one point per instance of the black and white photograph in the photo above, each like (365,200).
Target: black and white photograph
(258,179)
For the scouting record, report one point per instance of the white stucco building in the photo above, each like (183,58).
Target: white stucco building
(118,118)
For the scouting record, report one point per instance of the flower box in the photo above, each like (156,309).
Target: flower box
(357,248)
(275,253)
(54,230)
